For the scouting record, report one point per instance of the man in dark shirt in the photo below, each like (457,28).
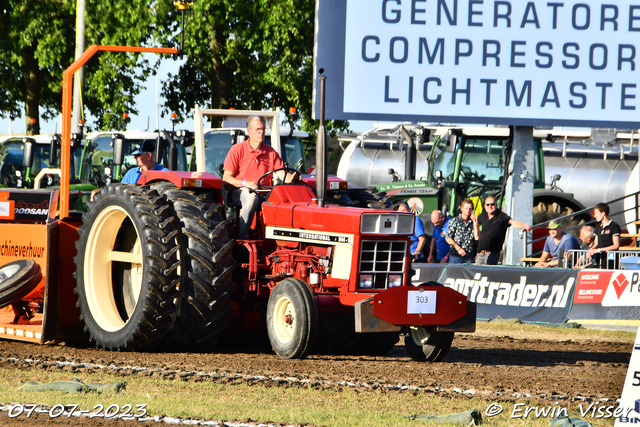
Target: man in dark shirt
(494,224)
(607,235)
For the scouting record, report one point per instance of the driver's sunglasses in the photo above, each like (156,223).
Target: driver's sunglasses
(489,204)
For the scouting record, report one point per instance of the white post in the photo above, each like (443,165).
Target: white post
(79,76)
(519,192)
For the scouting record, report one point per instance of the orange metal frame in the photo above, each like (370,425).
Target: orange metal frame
(67,88)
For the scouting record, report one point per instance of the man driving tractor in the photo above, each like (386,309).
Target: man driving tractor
(244,170)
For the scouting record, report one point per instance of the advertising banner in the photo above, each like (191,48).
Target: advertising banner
(607,294)
(472,61)
(528,294)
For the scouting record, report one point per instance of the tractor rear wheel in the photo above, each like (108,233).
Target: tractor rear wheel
(206,268)
(424,345)
(292,319)
(127,268)
(17,280)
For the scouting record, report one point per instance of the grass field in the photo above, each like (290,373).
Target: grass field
(216,401)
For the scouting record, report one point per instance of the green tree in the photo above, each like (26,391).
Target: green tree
(37,40)
(113,79)
(246,55)
(34,50)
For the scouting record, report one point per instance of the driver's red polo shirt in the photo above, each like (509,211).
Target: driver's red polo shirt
(246,163)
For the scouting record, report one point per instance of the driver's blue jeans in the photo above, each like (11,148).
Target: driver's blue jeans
(250,202)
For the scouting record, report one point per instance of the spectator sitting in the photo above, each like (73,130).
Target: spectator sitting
(588,240)
(607,235)
(557,240)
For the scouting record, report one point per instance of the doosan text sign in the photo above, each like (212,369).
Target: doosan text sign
(536,62)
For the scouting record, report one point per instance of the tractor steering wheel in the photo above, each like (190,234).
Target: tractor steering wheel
(269,187)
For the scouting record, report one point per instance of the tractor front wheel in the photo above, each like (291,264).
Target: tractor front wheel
(292,319)
(424,345)
(127,268)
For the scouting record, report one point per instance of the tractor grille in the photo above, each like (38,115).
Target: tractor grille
(381,259)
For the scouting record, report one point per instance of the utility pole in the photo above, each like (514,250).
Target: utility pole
(78,82)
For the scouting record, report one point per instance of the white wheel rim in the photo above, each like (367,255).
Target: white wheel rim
(283,319)
(8,272)
(419,335)
(98,263)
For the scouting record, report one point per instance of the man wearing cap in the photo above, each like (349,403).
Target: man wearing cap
(145,162)
(557,240)
(244,165)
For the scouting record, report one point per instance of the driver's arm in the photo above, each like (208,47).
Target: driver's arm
(235,182)
(292,177)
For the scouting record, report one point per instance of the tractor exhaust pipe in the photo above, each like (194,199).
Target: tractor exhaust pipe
(410,158)
(321,148)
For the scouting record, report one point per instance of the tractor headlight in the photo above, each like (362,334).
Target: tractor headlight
(366,281)
(395,280)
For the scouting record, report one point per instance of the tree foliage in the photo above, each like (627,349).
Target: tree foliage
(34,50)
(37,43)
(247,55)
(112,80)
(250,54)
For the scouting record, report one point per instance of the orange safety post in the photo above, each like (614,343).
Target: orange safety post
(67,87)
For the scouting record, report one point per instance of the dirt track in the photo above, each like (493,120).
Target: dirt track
(496,368)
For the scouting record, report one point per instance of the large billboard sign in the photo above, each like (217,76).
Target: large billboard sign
(540,62)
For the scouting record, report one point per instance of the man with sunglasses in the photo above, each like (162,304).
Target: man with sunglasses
(493,229)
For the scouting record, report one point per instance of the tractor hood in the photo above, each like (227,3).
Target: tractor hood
(295,206)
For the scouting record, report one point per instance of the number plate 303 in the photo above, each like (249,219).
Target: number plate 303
(421,302)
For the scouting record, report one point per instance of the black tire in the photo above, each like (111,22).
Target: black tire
(292,319)
(129,304)
(207,265)
(424,345)
(338,336)
(548,205)
(17,280)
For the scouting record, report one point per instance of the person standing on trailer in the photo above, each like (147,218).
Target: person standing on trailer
(439,250)
(418,239)
(462,234)
(493,229)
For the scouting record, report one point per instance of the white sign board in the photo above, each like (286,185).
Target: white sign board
(480,61)
(421,302)
(5,210)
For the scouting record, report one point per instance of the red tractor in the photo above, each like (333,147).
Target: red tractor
(156,263)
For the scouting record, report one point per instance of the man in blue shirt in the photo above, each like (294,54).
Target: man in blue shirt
(557,240)
(417,240)
(439,251)
(145,162)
